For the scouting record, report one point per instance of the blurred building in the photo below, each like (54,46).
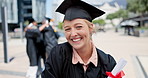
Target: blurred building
(112,7)
(58,17)
(20,10)
(12,11)
(108,8)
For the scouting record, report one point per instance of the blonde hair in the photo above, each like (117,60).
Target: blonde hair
(90,25)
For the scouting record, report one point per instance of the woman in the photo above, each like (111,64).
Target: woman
(78,58)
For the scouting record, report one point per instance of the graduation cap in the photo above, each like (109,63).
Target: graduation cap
(73,9)
(49,19)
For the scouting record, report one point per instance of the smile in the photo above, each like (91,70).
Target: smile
(75,40)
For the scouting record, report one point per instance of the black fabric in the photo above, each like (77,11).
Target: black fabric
(32,51)
(35,46)
(41,47)
(49,38)
(57,35)
(32,33)
(73,9)
(31,47)
(59,64)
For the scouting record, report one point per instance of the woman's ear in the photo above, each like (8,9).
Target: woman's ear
(92,28)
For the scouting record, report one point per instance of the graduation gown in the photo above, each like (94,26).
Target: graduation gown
(49,38)
(32,33)
(35,46)
(59,64)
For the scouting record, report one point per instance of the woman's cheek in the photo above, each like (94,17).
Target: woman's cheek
(67,35)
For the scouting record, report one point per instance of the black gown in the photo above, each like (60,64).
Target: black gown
(35,46)
(59,64)
(50,39)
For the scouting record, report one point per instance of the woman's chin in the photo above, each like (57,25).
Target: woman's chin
(75,46)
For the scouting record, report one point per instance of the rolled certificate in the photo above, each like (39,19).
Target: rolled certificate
(119,66)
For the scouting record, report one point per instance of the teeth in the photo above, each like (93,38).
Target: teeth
(76,39)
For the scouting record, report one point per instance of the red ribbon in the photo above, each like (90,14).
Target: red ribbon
(119,75)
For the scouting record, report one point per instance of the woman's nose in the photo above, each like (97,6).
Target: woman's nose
(73,32)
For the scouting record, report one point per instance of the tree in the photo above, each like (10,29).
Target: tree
(138,6)
(122,14)
(132,6)
(99,21)
(60,25)
(119,14)
(111,16)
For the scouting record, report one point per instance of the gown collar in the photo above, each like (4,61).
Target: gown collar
(93,59)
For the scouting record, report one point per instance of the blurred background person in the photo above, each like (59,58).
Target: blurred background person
(49,36)
(35,47)
(31,49)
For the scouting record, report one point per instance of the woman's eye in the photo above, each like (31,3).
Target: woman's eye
(67,29)
(79,27)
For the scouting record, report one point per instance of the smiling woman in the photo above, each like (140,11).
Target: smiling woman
(78,57)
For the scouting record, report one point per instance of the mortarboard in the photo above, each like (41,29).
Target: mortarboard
(73,9)
(49,19)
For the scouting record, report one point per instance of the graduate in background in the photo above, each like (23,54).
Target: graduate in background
(32,35)
(78,57)
(49,36)
(31,49)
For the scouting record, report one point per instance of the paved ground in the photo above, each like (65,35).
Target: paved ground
(133,49)
(127,47)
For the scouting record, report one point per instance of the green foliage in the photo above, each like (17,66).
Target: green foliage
(26,22)
(60,25)
(132,6)
(111,16)
(122,13)
(138,6)
(119,14)
(99,21)
(95,21)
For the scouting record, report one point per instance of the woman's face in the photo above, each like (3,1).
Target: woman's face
(77,33)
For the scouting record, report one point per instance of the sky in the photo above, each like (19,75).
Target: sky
(50,2)
(49,7)
(96,1)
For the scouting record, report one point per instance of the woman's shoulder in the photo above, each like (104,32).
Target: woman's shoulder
(105,58)
(62,49)
(64,45)
(60,53)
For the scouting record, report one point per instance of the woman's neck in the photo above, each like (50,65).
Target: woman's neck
(86,52)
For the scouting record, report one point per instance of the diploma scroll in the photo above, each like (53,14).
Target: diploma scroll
(119,66)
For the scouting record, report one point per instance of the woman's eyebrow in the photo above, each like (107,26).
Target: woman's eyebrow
(66,26)
(78,24)
(74,25)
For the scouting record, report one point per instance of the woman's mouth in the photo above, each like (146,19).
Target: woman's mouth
(75,40)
